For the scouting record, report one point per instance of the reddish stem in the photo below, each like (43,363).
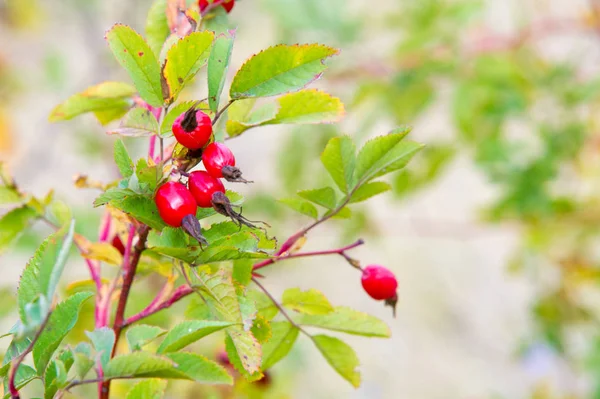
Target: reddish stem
(151,148)
(338,251)
(157,305)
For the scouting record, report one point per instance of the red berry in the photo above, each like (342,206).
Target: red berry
(118,244)
(203,186)
(379,282)
(215,156)
(174,202)
(193,129)
(228,5)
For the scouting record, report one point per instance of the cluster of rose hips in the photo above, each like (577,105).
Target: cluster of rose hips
(177,202)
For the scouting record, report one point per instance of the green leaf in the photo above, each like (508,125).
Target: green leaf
(219,292)
(238,123)
(122,159)
(321,196)
(197,368)
(157,26)
(10,196)
(137,364)
(61,321)
(340,356)
(134,54)
(137,123)
(242,271)
(113,194)
(310,302)
(369,190)
(148,389)
(308,107)
(23,376)
(55,378)
(51,269)
(188,332)
(13,223)
(29,285)
(280,69)
(150,175)
(244,352)
(382,155)
(184,60)
(218,64)
(103,340)
(339,158)
(141,208)
(83,361)
(264,306)
(282,340)
(166,128)
(102,98)
(348,321)
(140,335)
(303,207)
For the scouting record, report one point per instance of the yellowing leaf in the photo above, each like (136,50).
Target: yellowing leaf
(104,252)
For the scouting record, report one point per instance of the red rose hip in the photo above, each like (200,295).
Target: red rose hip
(192,129)
(219,161)
(174,202)
(203,186)
(227,4)
(379,282)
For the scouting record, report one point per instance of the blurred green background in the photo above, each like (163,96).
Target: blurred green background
(493,231)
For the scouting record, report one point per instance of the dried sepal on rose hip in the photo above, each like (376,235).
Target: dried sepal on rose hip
(219,161)
(193,129)
(177,208)
(381,284)
(209,192)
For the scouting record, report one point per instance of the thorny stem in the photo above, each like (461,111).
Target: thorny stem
(12,388)
(281,309)
(338,251)
(180,293)
(220,112)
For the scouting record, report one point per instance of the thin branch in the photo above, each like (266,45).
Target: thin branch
(338,251)
(12,388)
(180,293)
(220,112)
(281,309)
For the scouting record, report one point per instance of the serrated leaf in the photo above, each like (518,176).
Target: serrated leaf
(138,122)
(61,321)
(309,302)
(138,59)
(141,208)
(219,292)
(340,356)
(257,117)
(283,337)
(157,26)
(140,335)
(53,261)
(166,128)
(122,159)
(113,194)
(280,69)
(339,158)
(321,196)
(148,389)
(103,340)
(244,353)
(218,64)
(188,332)
(149,175)
(23,376)
(184,60)
(82,360)
(261,329)
(369,190)
(107,97)
(29,285)
(55,377)
(382,155)
(197,368)
(308,107)
(349,321)
(137,364)
(303,207)
(13,224)
(264,306)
